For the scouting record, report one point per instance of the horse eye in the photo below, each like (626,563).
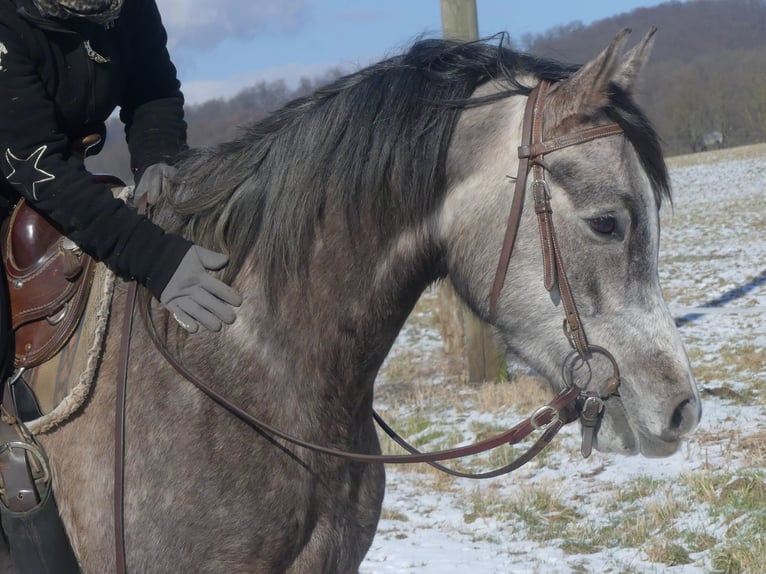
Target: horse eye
(603,225)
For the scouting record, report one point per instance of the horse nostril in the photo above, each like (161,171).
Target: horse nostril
(685,416)
(678,415)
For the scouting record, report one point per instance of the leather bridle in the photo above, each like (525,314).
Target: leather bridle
(531,159)
(549,418)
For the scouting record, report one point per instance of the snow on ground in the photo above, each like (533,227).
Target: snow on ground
(713,252)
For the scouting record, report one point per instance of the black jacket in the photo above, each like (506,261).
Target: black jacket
(60,80)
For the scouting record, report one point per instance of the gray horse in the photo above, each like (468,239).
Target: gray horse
(708,141)
(338,211)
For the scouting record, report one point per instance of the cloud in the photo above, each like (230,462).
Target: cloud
(202,24)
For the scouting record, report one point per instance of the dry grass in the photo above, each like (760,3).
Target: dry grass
(737,502)
(524,392)
(668,553)
(716,156)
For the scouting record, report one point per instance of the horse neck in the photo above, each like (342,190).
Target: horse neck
(320,347)
(360,288)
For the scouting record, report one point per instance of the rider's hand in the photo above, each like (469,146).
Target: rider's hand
(197,298)
(151,182)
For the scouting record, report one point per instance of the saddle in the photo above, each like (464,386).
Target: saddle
(49,279)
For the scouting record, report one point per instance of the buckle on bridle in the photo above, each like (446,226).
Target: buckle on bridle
(537,424)
(589,404)
(591,411)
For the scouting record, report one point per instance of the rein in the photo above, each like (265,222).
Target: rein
(547,419)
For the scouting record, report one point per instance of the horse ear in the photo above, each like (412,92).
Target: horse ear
(634,62)
(587,90)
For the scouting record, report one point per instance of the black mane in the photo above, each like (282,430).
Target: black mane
(375,139)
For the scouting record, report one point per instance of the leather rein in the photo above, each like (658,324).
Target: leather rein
(548,419)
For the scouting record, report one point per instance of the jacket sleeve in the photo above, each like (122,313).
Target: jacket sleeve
(36,163)
(152,110)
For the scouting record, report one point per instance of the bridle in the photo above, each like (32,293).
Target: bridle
(531,159)
(548,419)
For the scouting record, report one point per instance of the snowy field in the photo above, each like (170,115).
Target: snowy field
(703,510)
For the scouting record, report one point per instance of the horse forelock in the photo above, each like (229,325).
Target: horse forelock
(641,134)
(373,142)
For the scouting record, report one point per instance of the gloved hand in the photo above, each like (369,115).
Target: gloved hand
(197,298)
(151,182)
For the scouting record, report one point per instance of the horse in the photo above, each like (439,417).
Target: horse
(337,212)
(709,141)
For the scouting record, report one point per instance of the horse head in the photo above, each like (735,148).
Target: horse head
(605,195)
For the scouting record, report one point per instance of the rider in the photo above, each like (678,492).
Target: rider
(65,65)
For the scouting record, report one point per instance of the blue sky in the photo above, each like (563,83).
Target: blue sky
(222,46)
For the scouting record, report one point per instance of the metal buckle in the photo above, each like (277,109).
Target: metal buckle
(590,415)
(545,409)
(591,411)
(40,473)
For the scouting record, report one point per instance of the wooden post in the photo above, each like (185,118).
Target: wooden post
(459,20)
(484,352)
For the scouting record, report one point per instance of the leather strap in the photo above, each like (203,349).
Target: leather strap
(552,264)
(541,195)
(19,487)
(531,158)
(119,432)
(540,419)
(119,419)
(549,431)
(557,143)
(517,204)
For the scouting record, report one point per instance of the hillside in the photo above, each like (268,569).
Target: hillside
(707,71)
(707,74)
(688,30)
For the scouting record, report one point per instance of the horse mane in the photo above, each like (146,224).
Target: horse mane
(374,141)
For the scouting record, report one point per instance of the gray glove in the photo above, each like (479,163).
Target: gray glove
(152,181)
(197,298)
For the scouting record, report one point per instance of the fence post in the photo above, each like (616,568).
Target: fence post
(484,353)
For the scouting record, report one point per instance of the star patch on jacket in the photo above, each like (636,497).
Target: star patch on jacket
(25,173)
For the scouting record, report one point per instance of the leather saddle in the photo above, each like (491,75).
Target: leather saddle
(49,279)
